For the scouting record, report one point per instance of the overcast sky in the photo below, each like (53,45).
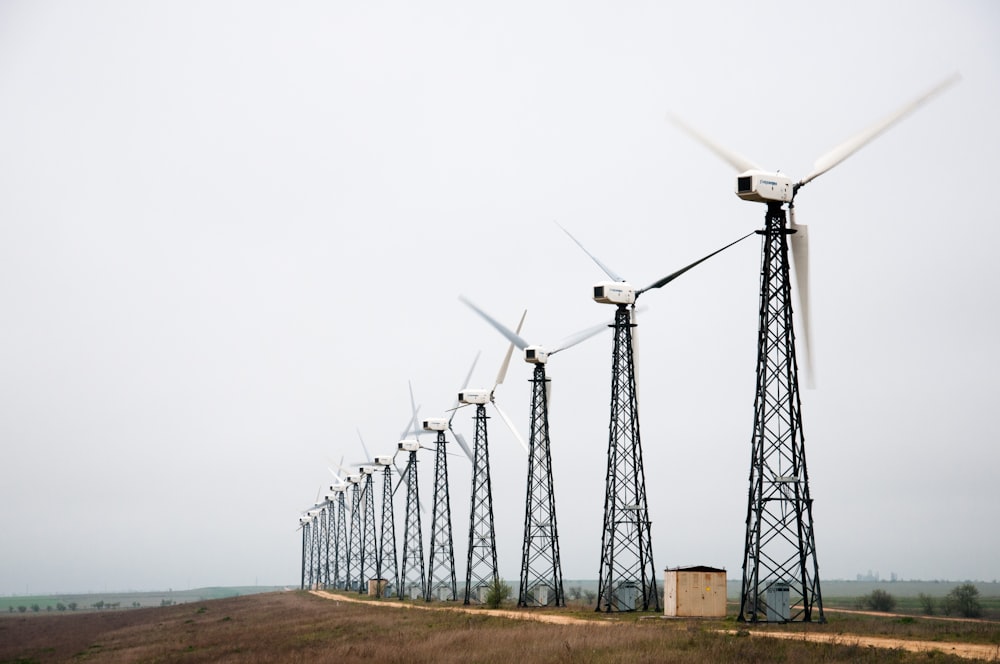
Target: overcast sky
(231,232)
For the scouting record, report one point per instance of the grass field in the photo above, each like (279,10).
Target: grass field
(300,627)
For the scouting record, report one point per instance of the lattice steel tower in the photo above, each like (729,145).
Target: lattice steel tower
(481,569)
(323,546)
(386,565)
(369,543)
(627,578)
(339,528)
(541,570)
(780,570)
(354,542)
(441,582)
(306,526)
(412,577)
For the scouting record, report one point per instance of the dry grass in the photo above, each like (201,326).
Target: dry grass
(299,627)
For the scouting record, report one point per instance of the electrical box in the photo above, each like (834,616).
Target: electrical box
(778,607)
(694,592)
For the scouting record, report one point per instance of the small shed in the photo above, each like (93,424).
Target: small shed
(698,591)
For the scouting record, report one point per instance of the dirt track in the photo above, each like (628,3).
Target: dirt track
(515,615)
(965,650)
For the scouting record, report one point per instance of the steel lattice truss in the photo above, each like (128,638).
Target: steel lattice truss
(369,545)
(353,581)
(323,547)
(339,571)
(412,573)
(627,578)
(307,555)
(780,570)
(386,567)
(541,570)
(441,582)
(481,570)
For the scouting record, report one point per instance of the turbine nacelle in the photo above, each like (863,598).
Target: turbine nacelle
(354,479)
(614,292)
(478,397)
(409,445)
(435,424)
(383,459)
(338,488)
(764,187)
(536,355)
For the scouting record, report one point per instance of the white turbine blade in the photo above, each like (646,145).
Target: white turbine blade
(510,425)
(506,360)
(461,442)
(515,339)
(579,337)
(800,259)
(858,141)
(368,455)
(414,426)
(468,377)
(734,159)
(607,270)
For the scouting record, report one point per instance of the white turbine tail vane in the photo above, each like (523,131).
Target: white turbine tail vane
(800,260)
(861,139)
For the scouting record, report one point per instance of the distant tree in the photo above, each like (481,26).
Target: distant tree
(497,594)
(963,600)
(879,600)
(574,592)
(35,608)
(11,608)
(60,606)
(136,605)
(590,595)
(48,607)
(99,604)
(22,608)
(72,606)
(926,604)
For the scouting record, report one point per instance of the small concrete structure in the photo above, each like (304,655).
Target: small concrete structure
(697,591)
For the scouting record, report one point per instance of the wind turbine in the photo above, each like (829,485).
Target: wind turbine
(627,576)
(441,581)
(541,570)
(352,579)
(338,514)
(780,570)
(411,577)
(387,581)
(481,568)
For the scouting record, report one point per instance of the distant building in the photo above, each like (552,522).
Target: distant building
(697,591)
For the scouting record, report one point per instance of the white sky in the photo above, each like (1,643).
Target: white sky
(230,232)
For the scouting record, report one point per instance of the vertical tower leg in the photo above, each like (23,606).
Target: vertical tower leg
(780,570)
(305,554)
(481,571)
(541,570)
(441,582)
(627,577)
(412,574)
